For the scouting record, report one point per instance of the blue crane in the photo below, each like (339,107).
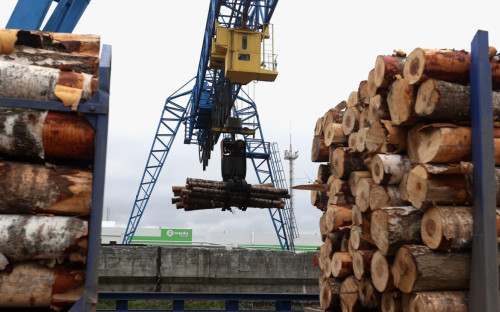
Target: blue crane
(206,101)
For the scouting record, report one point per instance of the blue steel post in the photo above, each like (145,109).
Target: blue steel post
(29,14)
(483,290)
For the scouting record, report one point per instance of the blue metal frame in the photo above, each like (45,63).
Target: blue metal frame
(283,301)
(96,110)
(30,14)
(483,290)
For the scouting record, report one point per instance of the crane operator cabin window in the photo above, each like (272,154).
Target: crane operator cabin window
(244,45)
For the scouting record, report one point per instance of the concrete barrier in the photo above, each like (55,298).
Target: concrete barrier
(190,269)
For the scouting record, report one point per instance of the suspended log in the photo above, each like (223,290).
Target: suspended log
(449,227)
(389,169)
(380,272)
(378,109)
(442,301)
(369,297)
(351,142)
(308,187)
(386,67)
(46,84)
(361,262)
(30,285)
(418,268)
(441,100)
(384,196)
(355,177)
(361,140)
(341,264)
(391,302)
(39,237)
(447,65)
(337,216)
(349,298)
(329,296)
(383,137)
(319,151)
(393,227)
(334,134)
(401,101)
(350,122)
(363,193)
(447,143)
(318,130)
(323,173)
(353,99)
(343,163)
(61,190)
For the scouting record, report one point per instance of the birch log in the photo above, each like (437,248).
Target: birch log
(393,227)
(389,169)
(39,237)
(30,188)
(384,196)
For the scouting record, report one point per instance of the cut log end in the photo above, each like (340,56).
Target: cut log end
(380,272)
(379,230)
(432,228)
(414,66)
(379,71)
(341,264)
(404,270)
(401,101)
(416,186)
(391,302)
(427,97)
(350,121)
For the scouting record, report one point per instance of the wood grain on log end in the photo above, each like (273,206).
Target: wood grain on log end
(391,302)
(381,273)
(414,67)
(401,101)
(341,264)
(442,301)
(350,121)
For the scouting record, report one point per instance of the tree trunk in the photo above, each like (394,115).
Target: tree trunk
(442,301)
(393,227)
(329,296)
(447,143)
(343,163)
(350,122)
(441,100)
(401,101)
(353,99)
(369,297)
(449,227)
(391,302)
(361,140)
(425,188)
(337,216)
(349,298)
(341,264)
(334,134)
(30,285)
(319,151)
(361,262)
(383,137)
(378,109)
(363,193)
(355,177)
(386,67)
(39,237)
(384,196)
(381,272)
(323,173)
(30,188)
(318,130)
(418,268)
(389,169)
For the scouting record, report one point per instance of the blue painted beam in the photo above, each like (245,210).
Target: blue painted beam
(483,294)
(29,14)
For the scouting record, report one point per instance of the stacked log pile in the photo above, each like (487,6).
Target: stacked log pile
(200,194)
(398,218)
(45,168)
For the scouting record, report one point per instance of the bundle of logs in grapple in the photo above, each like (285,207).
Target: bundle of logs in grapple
(397,190)
(45,161)
(205,194)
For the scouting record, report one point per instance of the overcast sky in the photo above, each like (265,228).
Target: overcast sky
(325,48)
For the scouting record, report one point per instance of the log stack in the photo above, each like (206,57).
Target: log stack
(398,223)
(46,160)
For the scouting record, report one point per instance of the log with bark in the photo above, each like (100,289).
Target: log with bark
(349,298)
(393,227)
(30,188)
(448,65)
(369,297)
(389,169)
(403,193)
(333,115)
(418,268)
(446,101)
(448,143)
(383,137)
(341,264)
(391,302)
(378,109)
(401,102)
(319,199)
(31,285)
(355,177)
(24,237)
(329,296)
(360,239)
(442,301)
(319,151)
(386,67)
(343,163)
(340,193)
(323,173)
(337,216)
(333,134)
(413,138)
(380,270)
(384,196)
(449,227)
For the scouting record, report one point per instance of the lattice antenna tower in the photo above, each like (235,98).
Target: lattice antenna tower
(290,155)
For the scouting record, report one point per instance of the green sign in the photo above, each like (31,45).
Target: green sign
(167,235)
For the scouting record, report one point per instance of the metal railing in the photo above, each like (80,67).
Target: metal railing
(268,58)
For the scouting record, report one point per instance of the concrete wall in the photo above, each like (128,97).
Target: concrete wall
(171,269)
